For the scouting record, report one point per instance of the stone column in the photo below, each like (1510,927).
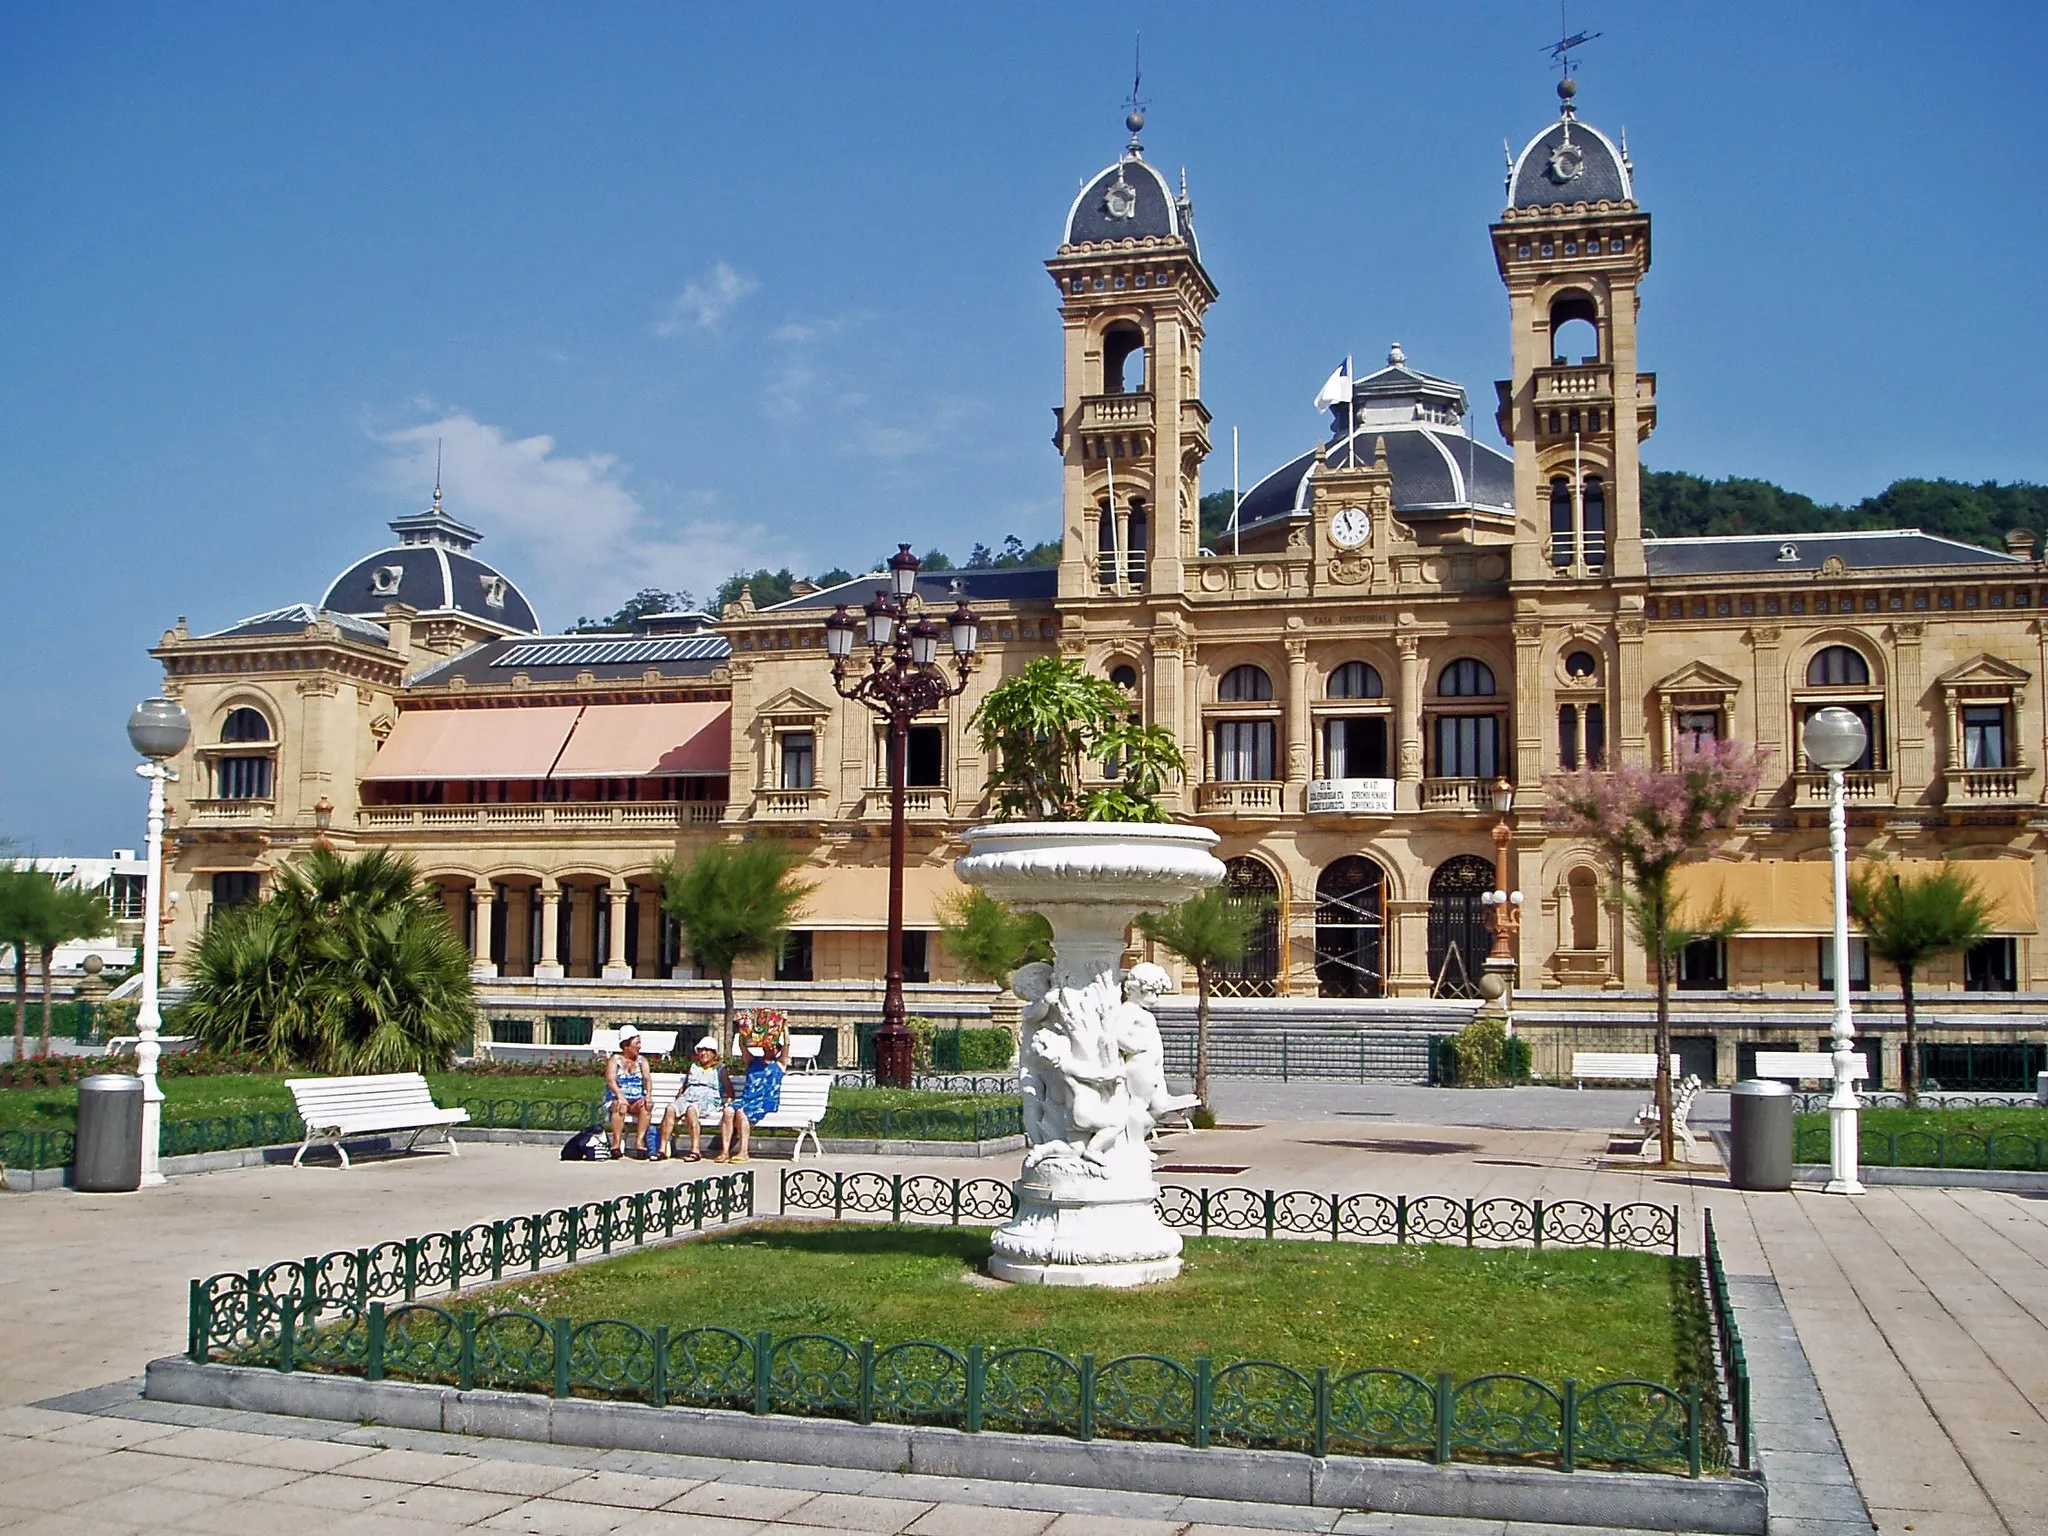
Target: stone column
(615,967)
(1771,723)
(650,932)
(549,966)
(1627,740)
(1408,724)
(1404,948)
(1913,769)
(482,964)
(1297,720)
(1531,698)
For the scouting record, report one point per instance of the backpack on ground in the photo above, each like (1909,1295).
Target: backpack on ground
(586,1147)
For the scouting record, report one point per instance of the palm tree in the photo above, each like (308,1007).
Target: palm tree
(1908,920)
(1208,931)
(347,965)
(72,912)
(734,901)
(26,899)
(989,938)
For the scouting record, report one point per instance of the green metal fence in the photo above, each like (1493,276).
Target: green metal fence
(2009,1151)
(1499,1222)
(1728,1342)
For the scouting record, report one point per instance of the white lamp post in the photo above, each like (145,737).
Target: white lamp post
(158,729)
(1834,739)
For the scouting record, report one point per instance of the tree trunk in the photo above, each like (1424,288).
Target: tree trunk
(49,950)
(20,999)
(1909,1068)
(1661,911)
(1202,1034)
(731,1013)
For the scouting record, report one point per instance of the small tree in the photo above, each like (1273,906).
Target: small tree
(1910,920)
(989,938)
(74,912)
(1208,931)
(1648,820)
(27,902)
(1042,724)
(734,901)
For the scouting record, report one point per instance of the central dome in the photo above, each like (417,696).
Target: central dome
(432,570)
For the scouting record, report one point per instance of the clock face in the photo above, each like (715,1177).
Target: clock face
(1350,528)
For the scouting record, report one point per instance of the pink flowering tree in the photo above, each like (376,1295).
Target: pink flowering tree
(1648,820)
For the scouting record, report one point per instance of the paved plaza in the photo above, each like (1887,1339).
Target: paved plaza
(1922,1312)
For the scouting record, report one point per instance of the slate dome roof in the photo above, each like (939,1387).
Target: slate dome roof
(1131,200)
(431,569)
(1570,162)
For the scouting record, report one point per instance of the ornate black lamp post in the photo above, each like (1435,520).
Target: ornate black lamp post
(903,680)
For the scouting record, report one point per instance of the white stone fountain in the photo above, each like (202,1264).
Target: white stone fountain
(1091,1065)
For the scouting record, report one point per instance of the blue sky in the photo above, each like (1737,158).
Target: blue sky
(684,288)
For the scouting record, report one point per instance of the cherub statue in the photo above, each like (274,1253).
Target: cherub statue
(1136,1035)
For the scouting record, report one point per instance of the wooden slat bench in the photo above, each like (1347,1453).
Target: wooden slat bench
(1682,1098)
(1617,1067)
(334,1107)
(653,1042)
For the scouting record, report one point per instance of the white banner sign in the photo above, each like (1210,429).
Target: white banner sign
(1351,797)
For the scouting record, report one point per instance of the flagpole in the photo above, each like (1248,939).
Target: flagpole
(1236,496)
(1350,414)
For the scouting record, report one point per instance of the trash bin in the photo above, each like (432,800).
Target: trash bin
(1760,1135)
(109,1156)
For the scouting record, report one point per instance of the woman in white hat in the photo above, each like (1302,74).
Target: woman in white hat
(702,1101)
(625,1093)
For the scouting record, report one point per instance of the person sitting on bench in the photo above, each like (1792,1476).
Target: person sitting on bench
(759,1097)
(706,1092)
(625,1093)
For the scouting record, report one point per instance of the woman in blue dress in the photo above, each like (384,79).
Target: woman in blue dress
(760,1095)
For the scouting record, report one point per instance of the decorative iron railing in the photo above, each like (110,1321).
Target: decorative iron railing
(252,1309)
(1497,1222)
(1815,1103)
(1728,1341)
(2002,1151)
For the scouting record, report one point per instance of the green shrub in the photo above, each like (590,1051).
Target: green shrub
(1516,1060)
(986,1050)
(1478,1049)
(933,1047)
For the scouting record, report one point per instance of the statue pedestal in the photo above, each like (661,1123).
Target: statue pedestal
(1091,1068)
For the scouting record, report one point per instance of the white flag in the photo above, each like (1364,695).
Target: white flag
(1337,390)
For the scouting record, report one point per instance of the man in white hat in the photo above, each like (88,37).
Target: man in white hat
(705,1093)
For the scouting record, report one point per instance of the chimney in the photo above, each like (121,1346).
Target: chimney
(2020,542)
(398,619)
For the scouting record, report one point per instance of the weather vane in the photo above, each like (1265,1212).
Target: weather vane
(1561,51)
(1133,103)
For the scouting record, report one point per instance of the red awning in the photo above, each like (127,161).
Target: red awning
(474,743)
(638,741)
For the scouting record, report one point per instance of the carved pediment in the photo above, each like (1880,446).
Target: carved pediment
(793,704)
(1698,677)
(1985,671)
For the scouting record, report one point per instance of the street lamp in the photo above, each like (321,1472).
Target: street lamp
(1834,739)
(158,729)
(903,680)
(1506,904)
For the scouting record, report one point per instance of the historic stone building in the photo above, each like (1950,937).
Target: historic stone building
(1401,617)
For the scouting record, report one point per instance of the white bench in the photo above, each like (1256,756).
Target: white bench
(1798,1066)
(653,1042)
(803,1052)
(334,1107)
(805,1096)
(1617,1067)
(1681,1107)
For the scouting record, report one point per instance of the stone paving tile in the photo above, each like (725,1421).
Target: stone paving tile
(68,1525)
(231,1479)
(744,1501)
(693,1469)
(559,1517)
(336,1491)
(109,1434)
(28,1458)
(456,1506)
(524,1478)
(1275,1517)
(661,1522)
(782,1474)
(627,1490)
(60,1488)
(979,1520)
(375,1522)
(1112,1525)
(856,1512)
(1361,1524)
(406,1466)
(31,1421)
(147,1505)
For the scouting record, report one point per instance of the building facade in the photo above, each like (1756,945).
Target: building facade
(1399,618)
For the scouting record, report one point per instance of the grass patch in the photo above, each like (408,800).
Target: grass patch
(1592,1316)
(1962,1137)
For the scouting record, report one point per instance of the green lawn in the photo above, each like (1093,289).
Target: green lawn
(1928,1138)
(1592,1316)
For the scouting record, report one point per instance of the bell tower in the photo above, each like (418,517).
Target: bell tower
(1132,431)
(1572,247)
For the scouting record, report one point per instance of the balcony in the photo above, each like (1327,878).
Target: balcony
(920,803)
(1586,384)
(1457,794)
(231,813)
(659,813)
(1239,798)
(789,805)
(1105,412)
(1987,786)
(1860,787)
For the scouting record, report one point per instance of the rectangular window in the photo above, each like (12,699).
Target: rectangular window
(1859,965)
(1568,737)
(793,960)
(1703,966)
(1244,751)
(1697,729)
(1596,735)
(237,889)
(917,950)
(244,778)
(1355,748)
(1992,966)
(925,757)
(1984,737)
(799,759)
(1467,746)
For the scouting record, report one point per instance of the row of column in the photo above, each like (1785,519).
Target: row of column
(547,965)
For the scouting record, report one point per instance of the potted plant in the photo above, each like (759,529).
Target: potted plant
(1091,1065)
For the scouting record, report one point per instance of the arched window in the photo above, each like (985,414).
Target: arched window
(1562,538)
(1465,678)
(1460,925)
(1254,972)
(1125,676)
(1350,928)
(1838,666)
(1123,359)
(1574,329)
(1356,680)
(245,725)
(1246,685)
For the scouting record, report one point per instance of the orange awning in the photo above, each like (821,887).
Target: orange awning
(636,741)
(857,896)
(1795,898)
(474,743)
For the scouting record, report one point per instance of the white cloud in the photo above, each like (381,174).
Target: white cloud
(565,527)
(706,302)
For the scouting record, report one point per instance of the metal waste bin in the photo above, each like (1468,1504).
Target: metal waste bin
(1760,1135)
(109,1156)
